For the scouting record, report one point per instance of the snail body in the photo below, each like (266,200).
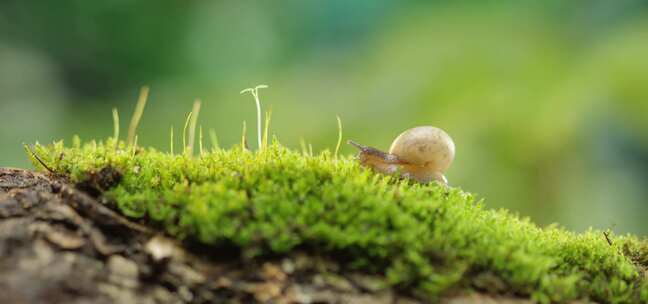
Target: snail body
(421,153)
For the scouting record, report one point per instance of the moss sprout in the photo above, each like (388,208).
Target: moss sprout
(255,93)
(339,141)
(214,139)
(137,114)
(115,115)
(195,111)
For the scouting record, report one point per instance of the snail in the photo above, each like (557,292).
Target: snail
(421,153)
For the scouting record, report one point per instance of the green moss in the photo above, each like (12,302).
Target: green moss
(427,239)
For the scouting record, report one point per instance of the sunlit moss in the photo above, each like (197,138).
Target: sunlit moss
(427,239)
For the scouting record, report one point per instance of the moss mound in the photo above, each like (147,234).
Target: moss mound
(426,239)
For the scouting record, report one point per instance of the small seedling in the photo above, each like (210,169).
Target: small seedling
(115,115)
(200,141)
(171,142)
(304,147)
(266,128)
(255,93)
(184,133)
(192,126)
(339,142)
(244,144)
(137,115)
(214,139)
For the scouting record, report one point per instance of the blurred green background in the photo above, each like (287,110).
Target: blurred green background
(547,101)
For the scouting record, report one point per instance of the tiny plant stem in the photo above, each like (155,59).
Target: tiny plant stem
(255,93)
(302,144)
(115,116)
(258,105)
(76,141)
(137,115)
(134,146)
(192,126)
(200,141)
(339,142)
(607,237)
(266,128)
(244,137)
(184,134)
(40,161)
(171,141)
(214,139)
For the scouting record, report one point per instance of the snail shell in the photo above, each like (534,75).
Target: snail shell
(425,146)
